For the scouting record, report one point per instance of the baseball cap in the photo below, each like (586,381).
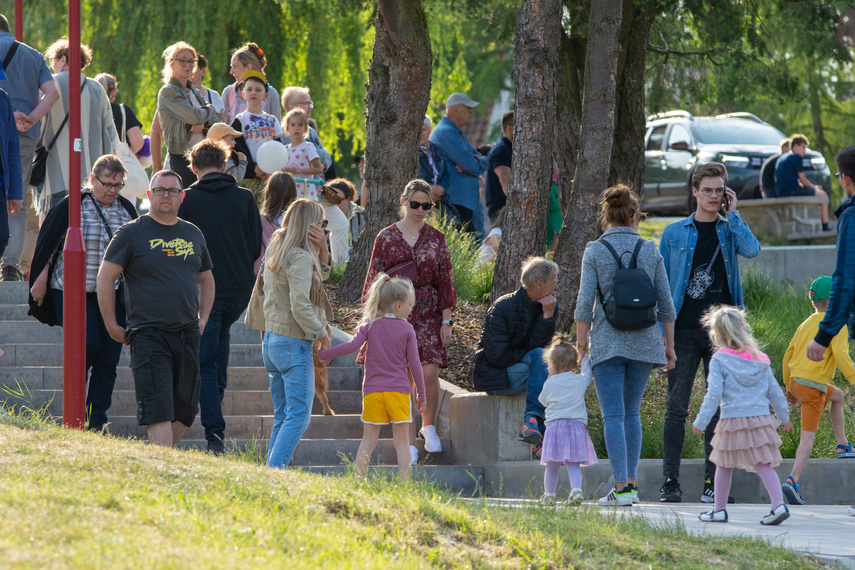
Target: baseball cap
(460,99)
(820,288)
(256,74)
(219,130)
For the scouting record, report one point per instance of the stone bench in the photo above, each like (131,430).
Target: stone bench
(484,428)
(791,219)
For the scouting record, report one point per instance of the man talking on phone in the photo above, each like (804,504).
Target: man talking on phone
(700,254)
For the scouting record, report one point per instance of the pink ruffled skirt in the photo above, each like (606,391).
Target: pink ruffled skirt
(745,442)
(567,441)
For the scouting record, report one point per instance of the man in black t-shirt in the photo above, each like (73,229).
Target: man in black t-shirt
(169,291)
(499,169)
(700,254)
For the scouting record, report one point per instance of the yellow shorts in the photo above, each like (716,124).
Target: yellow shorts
(813,403)
(381,408)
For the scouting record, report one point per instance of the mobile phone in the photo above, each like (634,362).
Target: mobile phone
(725,203)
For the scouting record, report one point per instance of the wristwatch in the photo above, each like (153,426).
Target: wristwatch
(449,322)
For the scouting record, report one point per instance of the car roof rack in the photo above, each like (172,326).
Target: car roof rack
(748,116)
(671,114)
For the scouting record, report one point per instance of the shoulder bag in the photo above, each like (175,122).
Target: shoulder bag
(39,169)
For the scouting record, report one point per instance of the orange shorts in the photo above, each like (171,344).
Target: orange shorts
(381,408)
(813,402)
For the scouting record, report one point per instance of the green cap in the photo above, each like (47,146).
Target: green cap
(820,288)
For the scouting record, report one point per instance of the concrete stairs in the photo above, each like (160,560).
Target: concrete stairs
(32,367)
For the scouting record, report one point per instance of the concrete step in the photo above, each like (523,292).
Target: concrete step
(29,330)
(256,427)
(13,292)
(48,354)
(240,378)
(14,312)
(314,452)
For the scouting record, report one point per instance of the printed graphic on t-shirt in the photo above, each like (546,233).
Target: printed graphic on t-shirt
(701,280)
(301,157)
(174,248)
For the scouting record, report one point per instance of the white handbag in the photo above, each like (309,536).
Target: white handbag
(136,178)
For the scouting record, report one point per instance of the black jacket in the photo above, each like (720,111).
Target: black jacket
(51,235)
(513,327)
(229,219)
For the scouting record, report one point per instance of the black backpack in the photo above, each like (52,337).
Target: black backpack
(632,304)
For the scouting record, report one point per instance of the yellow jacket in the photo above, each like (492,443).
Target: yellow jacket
(797,364)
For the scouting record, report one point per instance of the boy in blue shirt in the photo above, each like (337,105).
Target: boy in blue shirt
(790,179)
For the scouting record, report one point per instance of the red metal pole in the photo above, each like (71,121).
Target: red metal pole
(19,20)
(74,253)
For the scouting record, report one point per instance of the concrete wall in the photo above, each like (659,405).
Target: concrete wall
(796,265)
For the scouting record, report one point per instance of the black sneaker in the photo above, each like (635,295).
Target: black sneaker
(10,273)
(670,491)
(708,496)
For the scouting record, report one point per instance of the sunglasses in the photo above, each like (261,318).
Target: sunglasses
(426,206)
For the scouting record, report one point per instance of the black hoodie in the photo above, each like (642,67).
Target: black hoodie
(229,219)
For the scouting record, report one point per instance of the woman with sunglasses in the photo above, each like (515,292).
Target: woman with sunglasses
(102,211)
(181,110)
(414,250)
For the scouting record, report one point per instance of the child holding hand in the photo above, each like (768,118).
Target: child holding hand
(741,381)
(390,350)
(566,441)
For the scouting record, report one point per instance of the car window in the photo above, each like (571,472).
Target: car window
(678,134)
(654,141)
(736,131)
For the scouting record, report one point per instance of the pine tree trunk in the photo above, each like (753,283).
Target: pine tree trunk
(398,92)
(536,55)
(595,149)
(568,112)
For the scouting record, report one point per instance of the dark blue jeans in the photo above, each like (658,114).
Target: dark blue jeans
(692,347)
(214,364)
(102,357)
(4,225)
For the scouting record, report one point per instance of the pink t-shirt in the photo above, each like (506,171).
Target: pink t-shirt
(391,349)
(301,156)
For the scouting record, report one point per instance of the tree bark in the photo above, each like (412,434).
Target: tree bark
(595,150)
(536,55)
(398,92)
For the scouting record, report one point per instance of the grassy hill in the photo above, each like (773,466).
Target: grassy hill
(71,499)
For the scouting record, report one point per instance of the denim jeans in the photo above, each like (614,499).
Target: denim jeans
(102,357)
(692,347)
(291,371)
(528,376)
(214,364)
(620,386)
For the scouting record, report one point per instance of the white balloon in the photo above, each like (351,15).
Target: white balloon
(272,157)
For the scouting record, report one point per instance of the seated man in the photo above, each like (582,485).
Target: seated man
(518,326)
(790,179)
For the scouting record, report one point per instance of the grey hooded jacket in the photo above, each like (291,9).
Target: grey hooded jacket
(743,388)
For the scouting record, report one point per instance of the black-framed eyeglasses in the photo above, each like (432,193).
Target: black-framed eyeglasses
(837,175)
(711,191)
(117,186)
(426,206)
(185,62)
(160,191)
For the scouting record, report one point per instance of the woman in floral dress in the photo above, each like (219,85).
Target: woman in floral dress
(412,249)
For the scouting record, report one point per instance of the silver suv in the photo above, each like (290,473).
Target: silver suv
(677,141)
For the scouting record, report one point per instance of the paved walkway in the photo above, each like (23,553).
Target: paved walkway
(826,531)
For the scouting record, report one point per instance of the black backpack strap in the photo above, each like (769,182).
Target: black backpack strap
(611,249)
(635,253)
(9,55)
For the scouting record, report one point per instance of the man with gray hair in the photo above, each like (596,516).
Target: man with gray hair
(517,328)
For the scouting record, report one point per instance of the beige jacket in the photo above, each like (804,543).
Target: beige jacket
(176,112)
(280,303)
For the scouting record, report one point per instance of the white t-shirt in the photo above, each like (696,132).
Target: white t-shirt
(258,129)
(301,156)
(214,99)
(487,252)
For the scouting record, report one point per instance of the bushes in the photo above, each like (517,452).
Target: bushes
(471,280)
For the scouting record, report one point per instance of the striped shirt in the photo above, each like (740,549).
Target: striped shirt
(95,238)
(26,73)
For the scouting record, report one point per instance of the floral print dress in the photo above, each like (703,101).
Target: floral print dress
(434,284)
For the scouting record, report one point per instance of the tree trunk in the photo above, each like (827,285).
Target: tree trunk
(536,55)
(595,149)
(627,164)
(568,110)
(398,92)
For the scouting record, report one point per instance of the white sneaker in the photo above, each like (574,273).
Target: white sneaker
(576,497)
(432,443)
(852,510)
(617,499)
(635,499)
(414,455)
(776,515)
(714,516)
(548,499)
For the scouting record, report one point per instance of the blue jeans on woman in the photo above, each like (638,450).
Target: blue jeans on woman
(291,371)
(620,386)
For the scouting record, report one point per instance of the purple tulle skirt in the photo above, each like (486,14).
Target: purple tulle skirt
(567,441)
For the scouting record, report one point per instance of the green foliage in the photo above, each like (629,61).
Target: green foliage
(472,281)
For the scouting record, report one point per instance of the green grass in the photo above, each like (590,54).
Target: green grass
(651,229)
(73,499)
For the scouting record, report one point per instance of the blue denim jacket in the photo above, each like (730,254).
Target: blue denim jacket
(677,246)
(461,187)
(843,280)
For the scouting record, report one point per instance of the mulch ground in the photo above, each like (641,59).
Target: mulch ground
(468,324)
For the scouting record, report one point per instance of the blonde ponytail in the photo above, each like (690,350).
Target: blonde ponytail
(385,291)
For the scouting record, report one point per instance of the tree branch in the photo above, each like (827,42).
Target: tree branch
(668,51)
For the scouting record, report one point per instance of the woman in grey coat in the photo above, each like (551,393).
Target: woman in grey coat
(622,359)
